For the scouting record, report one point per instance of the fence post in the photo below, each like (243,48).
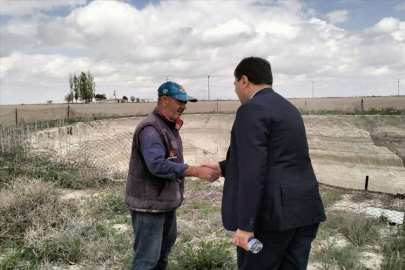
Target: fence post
(217,106)
(16,116)
(362,105)
(68,113)
(366,185)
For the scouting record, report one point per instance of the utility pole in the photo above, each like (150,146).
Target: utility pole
(167,78)
(209,98)
(0,101)
(204,94)
(398,85)
(313,82)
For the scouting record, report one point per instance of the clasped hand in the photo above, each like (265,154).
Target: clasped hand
(210,171)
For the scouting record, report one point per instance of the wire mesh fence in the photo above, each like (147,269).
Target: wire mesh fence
(56,148)
(84,112)
(387,208)
(90,112)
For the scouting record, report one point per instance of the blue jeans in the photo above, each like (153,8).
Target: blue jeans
(155,234)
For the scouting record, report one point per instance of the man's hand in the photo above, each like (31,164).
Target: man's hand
(241,239)
(204,173)
(214,166)
(208,174)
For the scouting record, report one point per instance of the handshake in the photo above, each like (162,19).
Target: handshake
(208,171)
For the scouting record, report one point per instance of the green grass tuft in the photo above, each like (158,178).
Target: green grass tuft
(206,255)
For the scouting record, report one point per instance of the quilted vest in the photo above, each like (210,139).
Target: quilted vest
(146,192)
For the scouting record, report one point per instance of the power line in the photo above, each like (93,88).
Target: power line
(398,85)
(209,97)
(313,82)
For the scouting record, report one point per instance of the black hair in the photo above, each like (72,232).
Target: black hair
(258,70)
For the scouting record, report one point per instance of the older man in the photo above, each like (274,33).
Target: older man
(155,182)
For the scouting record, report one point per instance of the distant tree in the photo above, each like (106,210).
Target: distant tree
(132,98)
(99,97)
(91,87)
(70,81)
(125,98)
(69,97)
(49,101)
(137,100)
(76,86)
(82,87)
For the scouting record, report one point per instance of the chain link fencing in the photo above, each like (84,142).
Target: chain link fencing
(87,112)
(46,148)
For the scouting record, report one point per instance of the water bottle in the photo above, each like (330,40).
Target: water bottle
(254,245)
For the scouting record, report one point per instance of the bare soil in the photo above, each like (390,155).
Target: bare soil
(344,149)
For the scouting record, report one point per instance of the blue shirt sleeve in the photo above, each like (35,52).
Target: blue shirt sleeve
(154,152)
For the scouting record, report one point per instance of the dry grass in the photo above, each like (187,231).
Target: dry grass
(41,231)
(38,228)
(25,204)
(199,217)
(19,162)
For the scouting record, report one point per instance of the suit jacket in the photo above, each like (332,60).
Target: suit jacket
(269,180)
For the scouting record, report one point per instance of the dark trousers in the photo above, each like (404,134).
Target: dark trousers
(155,234)
(288,250)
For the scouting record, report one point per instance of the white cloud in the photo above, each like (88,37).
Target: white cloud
(19,8)
(389,26)
(386,25)
(400,7)
(379,71)
(42,66)
(337,16)
(134,50)
(400,34)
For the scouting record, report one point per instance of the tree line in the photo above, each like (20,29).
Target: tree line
(82,87)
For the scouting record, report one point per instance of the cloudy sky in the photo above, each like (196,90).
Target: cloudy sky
(342,47)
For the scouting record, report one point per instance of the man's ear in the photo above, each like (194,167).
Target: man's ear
(245,80)
(164,101)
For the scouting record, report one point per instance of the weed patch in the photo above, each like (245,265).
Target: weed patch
(36,227)
(206,255)
(330,195)
(26,203)
(108,205)
(19,162)
(358,229)
(394,250)
(344,257)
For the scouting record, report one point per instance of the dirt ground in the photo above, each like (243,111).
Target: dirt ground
(344,149)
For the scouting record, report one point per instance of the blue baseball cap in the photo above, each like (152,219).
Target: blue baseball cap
(174,90)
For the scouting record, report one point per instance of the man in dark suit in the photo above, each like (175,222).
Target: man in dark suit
(270,188)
